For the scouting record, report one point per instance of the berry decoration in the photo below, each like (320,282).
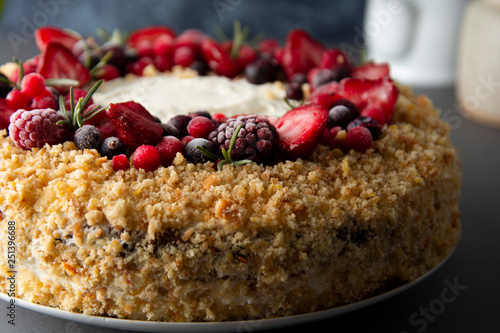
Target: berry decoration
(111,147)
(146,157)
(120,162)
(88,137)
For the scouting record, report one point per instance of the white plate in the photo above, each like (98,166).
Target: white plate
(239,326)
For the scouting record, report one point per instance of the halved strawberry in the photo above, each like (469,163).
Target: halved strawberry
(47,34)
(246,55)
(370,71)
(148,34)
(58,62)
(300,129)
(301,53)
(132,124)
(381,93)
(5,113)
(218,59)
(334,58)
(325,95)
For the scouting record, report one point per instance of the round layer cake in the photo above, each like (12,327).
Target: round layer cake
(188,242)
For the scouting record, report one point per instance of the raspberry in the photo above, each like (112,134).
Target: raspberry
(257,139)
(359,138)
(168,147)
(120,162)
(146,157)
(33,85)
(200,127)
(35,128)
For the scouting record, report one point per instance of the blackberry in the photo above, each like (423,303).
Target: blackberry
(112,146)
(257,140)
(88,137)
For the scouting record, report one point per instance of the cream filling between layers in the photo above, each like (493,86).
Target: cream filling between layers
(168,95)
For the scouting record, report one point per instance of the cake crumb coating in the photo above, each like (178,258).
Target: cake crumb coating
(189,243)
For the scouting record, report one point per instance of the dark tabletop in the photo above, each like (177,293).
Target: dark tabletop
(459,297)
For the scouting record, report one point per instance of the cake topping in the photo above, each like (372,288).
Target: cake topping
(88,137)
(146,157)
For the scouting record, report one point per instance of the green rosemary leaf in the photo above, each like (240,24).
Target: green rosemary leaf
(61,82)
(208,153)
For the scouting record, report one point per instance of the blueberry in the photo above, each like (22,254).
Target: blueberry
(339,115)
(112,146)
(371,124)
(294,91)
(88,137)
(194,155)
(262,70)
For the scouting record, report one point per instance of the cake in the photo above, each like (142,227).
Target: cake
(351,193)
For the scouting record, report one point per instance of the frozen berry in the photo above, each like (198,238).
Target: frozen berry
(169,130)
(108,72)
(194,155)
(188,138)
(88,137)
(16,99)
(200,127)
(339,115)
(325,75)
(118,58)
(334,138)
(146,157)
(45,102)
(112,146)
(202,113)
(32,85)
(373,126)
(35,128)
(299,78)
(184,56)
(120,162)
(359,138)
(200,66)
(180,122)
(168,147)
(294,91)
(221,117)
(162,63)
(262,70)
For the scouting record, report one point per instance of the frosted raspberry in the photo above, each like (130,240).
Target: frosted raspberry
(35,128)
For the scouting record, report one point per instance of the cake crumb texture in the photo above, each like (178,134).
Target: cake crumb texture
(189,243)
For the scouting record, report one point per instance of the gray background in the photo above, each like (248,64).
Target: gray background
(474,263)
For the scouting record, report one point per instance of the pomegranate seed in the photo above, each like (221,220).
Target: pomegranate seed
(168,147)
(16,100)
(120,162)
(359,138)
(146,157)
(33,85)
(200,127)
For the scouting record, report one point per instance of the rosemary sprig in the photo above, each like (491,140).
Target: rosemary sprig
(226,158)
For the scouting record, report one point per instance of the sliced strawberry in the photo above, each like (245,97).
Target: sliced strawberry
(148,34)
(218,59)
(191,38)
(301,53)
(381,93)
(246,55)
(300,130)
(132,125)
(325,95)
(58,62)
(370,71)
(335,58)
(375,113)
(47,34)
(5,113)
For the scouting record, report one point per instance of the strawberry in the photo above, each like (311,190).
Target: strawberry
(325,95)
(218,59)
(58,62)
(300,130)
(371,71)
(335,58)
(301,53)
(191,38)
(246,55)
(268,45)
(45,35)
(381,93)
(133,126)
(5,113)
(149,34)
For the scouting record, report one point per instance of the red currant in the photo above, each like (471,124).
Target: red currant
(17,100)
(120,162)
(33,85)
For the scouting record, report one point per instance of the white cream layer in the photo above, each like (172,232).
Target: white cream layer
(168,95)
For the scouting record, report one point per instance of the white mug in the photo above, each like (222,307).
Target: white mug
(418,38)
